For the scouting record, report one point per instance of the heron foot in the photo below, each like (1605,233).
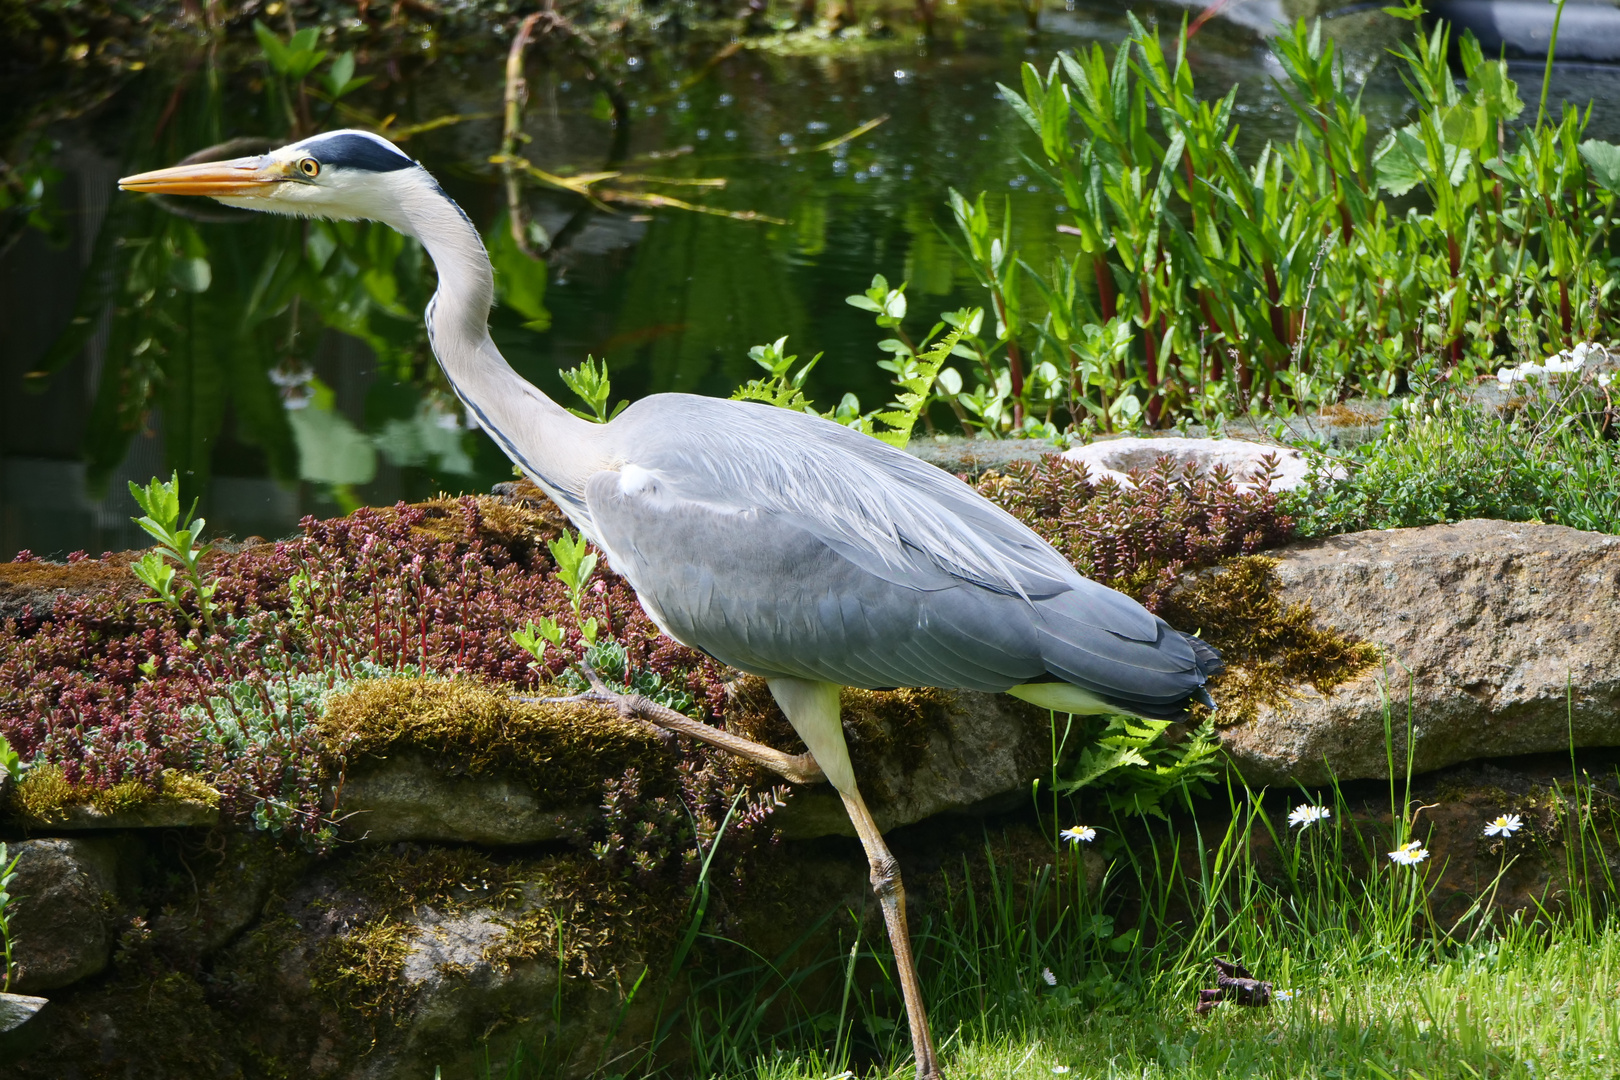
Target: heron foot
(795,768)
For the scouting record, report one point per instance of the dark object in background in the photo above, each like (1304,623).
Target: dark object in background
(1589,31)
(1233,983)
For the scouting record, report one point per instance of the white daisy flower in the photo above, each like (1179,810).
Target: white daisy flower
(1079,834)
(1305,815)
(1047,976)
(1060,1069)
(1409,854)
(1505,825)
(1282,995)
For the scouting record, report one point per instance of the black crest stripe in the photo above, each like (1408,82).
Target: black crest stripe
(358,152)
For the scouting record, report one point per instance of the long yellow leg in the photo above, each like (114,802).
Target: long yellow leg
(891,895)
(813,710)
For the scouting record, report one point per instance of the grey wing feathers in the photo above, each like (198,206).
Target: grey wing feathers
(786,545)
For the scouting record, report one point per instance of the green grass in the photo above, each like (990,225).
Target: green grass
(1525,1006)
(1089,962)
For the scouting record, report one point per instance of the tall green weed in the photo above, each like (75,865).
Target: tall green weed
(1201,287)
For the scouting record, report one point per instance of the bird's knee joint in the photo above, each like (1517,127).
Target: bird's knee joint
(886,878)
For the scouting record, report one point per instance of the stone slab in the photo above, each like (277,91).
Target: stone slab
(1502,638)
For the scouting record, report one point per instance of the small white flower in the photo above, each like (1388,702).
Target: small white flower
(1050,979)
(1079,834)
(1282,995)
(1060,1069)
(1409,854)
(1505,825)
(1305,815)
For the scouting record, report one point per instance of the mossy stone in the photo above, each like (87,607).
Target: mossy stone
(564,751)
(1270,647)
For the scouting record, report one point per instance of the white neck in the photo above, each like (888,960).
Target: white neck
(557,449)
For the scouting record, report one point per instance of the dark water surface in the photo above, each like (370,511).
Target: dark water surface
(281,365)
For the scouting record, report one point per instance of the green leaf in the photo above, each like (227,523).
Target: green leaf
(532,641)
(331,450)
(1020,106)
(339,74)
(154,572)
(1603,159)
(1398,172)
(192,275)
(275,53)
(575,562)
(1490,84)
(592,385)
(1465,125)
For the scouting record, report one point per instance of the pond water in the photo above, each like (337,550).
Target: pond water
(281,365)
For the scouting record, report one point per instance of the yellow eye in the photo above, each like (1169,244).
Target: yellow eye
(310,167)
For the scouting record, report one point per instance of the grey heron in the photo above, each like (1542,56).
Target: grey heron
(780,543)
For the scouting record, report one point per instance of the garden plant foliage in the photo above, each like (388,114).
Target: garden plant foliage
(1548,454)
(1206,288)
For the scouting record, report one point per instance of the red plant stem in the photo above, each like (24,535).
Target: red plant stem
(1150,349)
(1015,363)
(1106,301)
(1155,406)
(1345,227)
(1274,306)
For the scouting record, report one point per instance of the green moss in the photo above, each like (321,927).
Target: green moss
(188,787)
(45,795)
(445,879)
(360,970)
(584,921)
(564,751)
(524,523)
(1270,648)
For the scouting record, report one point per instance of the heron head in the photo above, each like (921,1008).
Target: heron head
(338,174)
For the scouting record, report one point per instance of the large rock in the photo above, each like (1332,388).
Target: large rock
(160,813)
(454,988)
(22,1024)
(64,894)
(406,796)
(1501,638)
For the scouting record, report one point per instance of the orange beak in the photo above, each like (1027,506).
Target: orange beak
(240,176)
